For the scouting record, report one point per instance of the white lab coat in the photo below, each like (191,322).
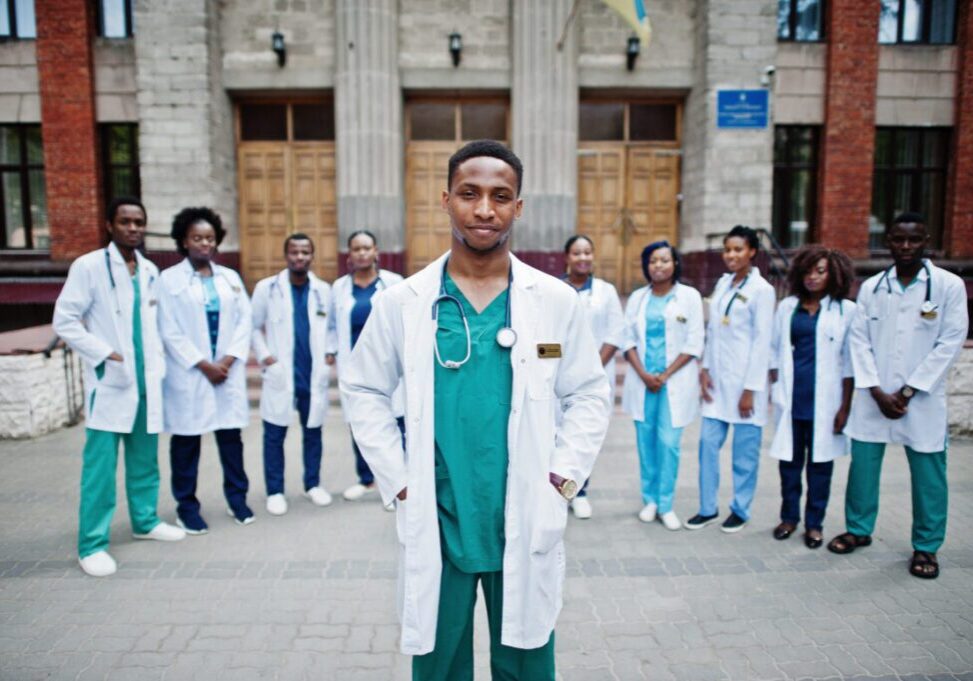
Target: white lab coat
(605,319)
(398,342)
(339,329)
(684,335)
(193,405)
(273,335)
(832,364)
(737,354)
(892,345)
(95,320)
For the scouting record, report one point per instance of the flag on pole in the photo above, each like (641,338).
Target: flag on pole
(633,11)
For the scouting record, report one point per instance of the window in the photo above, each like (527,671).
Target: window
(800,20)
(120,159)
(910,175)
(931,22)
(452,121)
(283,122)
(23,222)
(627,122)
(114,18)
(795,183)
(17,19)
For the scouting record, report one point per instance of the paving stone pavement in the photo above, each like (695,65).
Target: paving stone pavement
(310,595)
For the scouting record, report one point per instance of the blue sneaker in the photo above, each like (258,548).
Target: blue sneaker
(194,525)
(699,521)
(733,524)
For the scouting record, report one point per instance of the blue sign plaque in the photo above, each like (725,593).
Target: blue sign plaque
(746,109)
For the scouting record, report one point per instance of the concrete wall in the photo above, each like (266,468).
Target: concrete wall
(37,395)
(961,394)
(20,100)
(916,85)
(799,84)
(115,86)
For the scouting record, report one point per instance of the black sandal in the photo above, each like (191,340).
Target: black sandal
(848,542)
(813,542)
(784,530)
(924,565)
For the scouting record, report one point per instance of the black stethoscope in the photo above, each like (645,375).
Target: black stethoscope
(736,294)
(111,281)
(928,308)
(506,336)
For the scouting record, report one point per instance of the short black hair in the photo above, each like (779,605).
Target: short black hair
(746,233)
(490,148)
(652,248)
(298,236)
(905,218)
(188,217)
(577,237)
(362,232)
(112,210)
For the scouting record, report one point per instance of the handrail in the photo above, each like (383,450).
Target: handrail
(778,249)
(49,348)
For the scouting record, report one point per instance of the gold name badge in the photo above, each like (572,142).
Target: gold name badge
(931,314)
(548,350)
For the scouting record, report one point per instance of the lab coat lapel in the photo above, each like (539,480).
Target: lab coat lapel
(123,295)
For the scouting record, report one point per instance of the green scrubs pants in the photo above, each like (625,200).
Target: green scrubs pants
(98,483)
(929,493)
(452,657)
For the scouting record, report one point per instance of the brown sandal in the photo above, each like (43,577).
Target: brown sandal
(848,542)
(924,565)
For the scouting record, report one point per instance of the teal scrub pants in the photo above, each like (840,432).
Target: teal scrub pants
(658,444)
(929,493)
(452,657)
(98,483)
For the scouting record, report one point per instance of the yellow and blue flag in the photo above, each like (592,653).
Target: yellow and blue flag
(633,11)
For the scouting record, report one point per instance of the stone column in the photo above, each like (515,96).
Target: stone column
(959,199)
(185,117)
(368,122)
(545,122)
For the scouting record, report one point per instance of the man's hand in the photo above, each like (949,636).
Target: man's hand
(226,361)
(269,360)
(403,494)
(892,406)
(706,385)
(773,375)
(115,357)
(841,420)
(214,373)
(652,382)
(746,404)
(329,359)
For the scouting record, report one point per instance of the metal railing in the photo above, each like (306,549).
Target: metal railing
(780,264)
(73,395)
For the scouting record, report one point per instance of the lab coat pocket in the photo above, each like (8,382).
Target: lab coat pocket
(117,375)
(540,380)
(549,519)
(275,377)
(401,519)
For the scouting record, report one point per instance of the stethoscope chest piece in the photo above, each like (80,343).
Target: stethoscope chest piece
(506,337)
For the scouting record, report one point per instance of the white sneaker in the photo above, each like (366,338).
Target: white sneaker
(98,564)
(246,521)
(163,532)
(581,507)
(276,504)
(357,491)
(319,496)
(670,520)
(647,514)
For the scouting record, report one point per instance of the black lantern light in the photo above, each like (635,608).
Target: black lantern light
(455,47)
(632,52)
(277,45)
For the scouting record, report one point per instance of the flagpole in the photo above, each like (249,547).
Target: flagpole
(567,23)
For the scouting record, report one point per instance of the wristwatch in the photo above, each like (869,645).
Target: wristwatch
(565,486)
(908,392)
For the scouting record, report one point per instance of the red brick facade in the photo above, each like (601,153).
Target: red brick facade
(959,194)
(845,178)
(65,64)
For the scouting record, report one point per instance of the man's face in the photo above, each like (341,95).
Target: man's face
(907,242)
(482,203)
(127,228)
(300,255)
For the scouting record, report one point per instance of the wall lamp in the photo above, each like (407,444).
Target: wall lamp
(456,47)
(632,52)
(277,45)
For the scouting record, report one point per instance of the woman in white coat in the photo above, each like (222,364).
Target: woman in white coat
(205,326)
(351,305)
(664,328)
(605,319)
(812,381)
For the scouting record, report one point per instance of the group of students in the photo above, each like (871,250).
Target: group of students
(167,352)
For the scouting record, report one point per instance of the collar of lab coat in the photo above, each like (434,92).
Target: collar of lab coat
(185,269)
(115,256)
(921,276)
(428,280)
(284,281)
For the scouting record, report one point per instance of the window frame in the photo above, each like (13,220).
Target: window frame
(924,30)
(783,173)
(23,170)
(12,18)
(107,165)
(792,24)
(100,21)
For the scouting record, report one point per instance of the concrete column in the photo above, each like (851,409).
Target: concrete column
(545,122)
(368,121)
(185,117)
(959,199)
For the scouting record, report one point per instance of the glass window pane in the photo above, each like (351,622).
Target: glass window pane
(784,19)
(876,221)
(483,121)
(113,19)
(911,20)
(931,187)
(888,23)
(601,122)
(934,148)
(808,26)
(906,148)
(35,145)
(649,122)
(313,121)
(430,121)
(119,144)
(883,144)
(38,209)
(263,122)
(780,144)
(26,24)
(13,211)
(799,220)
(902,199)
(942,22)
(122,182)
(4,19)
(9,144)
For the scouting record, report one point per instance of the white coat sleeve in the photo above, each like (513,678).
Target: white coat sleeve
(616,320)
(629,337)
(176,342)
(775,341)
(585,397)
(696,333)
(72,304)
(331,339)
(949,342)
(847,368)
(239,346)
(259,320)
(710,339)
(755,378)
(367,381)
(860,343)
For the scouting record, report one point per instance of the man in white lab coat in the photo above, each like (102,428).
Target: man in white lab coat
(911,323)
(106,312)
(490,349)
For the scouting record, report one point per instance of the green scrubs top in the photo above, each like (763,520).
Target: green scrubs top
(137,333)
(472,410)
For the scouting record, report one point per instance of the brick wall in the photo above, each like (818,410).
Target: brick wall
(66,69)
(845,173)
(959,201)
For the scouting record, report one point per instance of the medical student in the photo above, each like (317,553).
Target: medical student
(351,305)
(106,313)
(290,312)
(812,382)
(205,326)
(664,323)
(491,351)
(911,324)
(605,319)
(734,379)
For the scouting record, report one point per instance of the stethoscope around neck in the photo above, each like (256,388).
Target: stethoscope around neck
(927,305)
(506,336)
